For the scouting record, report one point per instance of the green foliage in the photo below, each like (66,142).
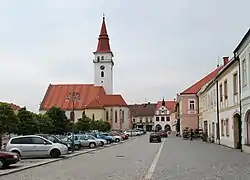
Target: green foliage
(83,124)
(45,124)
(28,123)
(59,120)
(8,119)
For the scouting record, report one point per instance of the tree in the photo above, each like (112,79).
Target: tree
(28,123)
(45,124)
(83,124)
(59,120)
(8,120)
(104,126)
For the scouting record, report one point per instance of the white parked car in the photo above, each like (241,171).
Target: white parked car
(32,146)
(133,133)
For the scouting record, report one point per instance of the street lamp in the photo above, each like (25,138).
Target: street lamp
(73,96)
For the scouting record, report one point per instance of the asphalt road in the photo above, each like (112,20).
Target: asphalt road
(174,159)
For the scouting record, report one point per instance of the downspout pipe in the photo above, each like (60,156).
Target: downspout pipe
(198,110)
(238,59)
(217,110)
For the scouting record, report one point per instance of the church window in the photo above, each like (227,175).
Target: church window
(93,117)
(107,115)
(102,73)
(116,116)
(72,116)
(102,58)
(83,114)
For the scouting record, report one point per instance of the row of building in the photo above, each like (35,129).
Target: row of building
(220,102)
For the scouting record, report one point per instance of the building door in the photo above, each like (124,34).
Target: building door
(237,131)
(205,128)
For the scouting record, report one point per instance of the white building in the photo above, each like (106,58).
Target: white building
(242,54)
(165,116)
(229,104)
(208,110)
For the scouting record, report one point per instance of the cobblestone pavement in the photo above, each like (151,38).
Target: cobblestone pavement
(127,161)
(196,160)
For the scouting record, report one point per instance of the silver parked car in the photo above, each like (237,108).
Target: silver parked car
(35,146)
(87,141)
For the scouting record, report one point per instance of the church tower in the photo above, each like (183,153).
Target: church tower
(103,61)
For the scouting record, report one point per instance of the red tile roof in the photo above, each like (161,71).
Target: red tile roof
(13,106)
(103,40)
(170,105)
(194,89)
(90,97)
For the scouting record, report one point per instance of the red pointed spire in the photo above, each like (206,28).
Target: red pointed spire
(103,40)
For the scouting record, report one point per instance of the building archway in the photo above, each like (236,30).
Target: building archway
(237,131)
(247,120)
(167,127)
(158,128)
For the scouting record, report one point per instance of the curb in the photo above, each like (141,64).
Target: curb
(60,159)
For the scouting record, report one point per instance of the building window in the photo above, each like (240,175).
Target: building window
(162,111)
(146,119)
(107,115)
(225,89)
(98,58)
(227,127)
(157,119)
(72,116)
(167,118)
(123,116)
(221,97)
(116,116)
(244,72)
(222,127)
(140,120)
(191,104)
(162,118)
(93,117)
(133,120)
(151,119)
(83,114)
(235,83)
(102,73)
(102,58)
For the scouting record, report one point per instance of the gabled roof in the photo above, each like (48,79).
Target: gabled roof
(90,96)
(194,89)
(242,41)
(142,110)
(170,105)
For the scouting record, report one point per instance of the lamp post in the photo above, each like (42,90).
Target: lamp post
(73,96)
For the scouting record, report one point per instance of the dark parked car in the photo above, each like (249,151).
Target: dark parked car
(7,158)
(163,133)
(55,139)
(154,137)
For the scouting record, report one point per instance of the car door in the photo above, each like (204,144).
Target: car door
(25,146)
(41,146)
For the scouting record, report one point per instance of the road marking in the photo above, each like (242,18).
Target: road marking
(151,170)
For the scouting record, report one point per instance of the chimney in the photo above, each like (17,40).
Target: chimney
(225,60)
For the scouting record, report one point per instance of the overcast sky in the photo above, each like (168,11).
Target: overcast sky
(161,47)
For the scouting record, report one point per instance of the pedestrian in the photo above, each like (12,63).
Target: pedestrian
(191,134)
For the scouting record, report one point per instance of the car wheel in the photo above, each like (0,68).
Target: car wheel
(108,142)
(1,163)
(102,143)
(92,145)
(76,147)
(16,152)
(55,153)
(117,140)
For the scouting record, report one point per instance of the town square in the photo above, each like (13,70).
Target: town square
(125,90)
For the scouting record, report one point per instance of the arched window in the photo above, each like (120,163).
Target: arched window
(107,115)
(98,58)
(102,73)
(93,117)
(123,116)
(83,114)
(116,116)
(72,116)
(102,58)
